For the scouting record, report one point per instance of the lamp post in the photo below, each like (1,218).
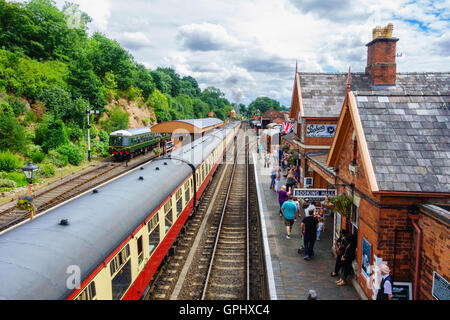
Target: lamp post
(30,171)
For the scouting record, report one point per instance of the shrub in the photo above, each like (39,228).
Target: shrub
(17,105)
(55,136)
(9,162)
(12,134)
(104,136)
(57,159)
(7,183)
(31,149)
(46,170)
(18,178)
(101,148)
(74,154)
(38,157)
(74,132)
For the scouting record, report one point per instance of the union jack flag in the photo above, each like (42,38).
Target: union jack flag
(287,127)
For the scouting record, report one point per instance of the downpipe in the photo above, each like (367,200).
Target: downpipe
(414,218)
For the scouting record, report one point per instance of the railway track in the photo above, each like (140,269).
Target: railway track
(68,188)
(212,264)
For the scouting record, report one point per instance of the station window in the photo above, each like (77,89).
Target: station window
(168,214)
(88,293)
(153,230)
(179,199)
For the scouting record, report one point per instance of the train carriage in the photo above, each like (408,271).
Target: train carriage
(109,243)
(131,142)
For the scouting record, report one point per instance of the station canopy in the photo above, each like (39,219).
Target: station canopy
(190,125)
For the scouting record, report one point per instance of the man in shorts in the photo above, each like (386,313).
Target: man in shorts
(289,209)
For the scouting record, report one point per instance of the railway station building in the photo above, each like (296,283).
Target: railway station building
(382,138)
(186,131)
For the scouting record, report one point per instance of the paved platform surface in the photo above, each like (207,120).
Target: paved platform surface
(293,276)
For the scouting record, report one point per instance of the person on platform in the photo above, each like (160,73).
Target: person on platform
(347,258)
(385,290)
(340,248)
(273,177)
(290,182)
(320,228)
(282,197)
(309,229)
(277,180)
(289,209)
(267,160)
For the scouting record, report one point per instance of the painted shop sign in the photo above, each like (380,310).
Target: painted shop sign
(441,287)
(320,130)
(314,193)
(365,259)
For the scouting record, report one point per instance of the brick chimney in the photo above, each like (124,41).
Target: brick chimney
(381,53)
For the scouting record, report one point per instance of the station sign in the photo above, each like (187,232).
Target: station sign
(314,193)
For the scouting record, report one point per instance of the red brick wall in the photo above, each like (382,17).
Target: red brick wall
(434,255)
(381,61)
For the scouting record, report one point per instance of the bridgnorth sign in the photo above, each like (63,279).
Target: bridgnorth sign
(314,193)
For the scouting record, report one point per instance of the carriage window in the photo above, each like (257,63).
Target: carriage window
(153,229)
(88,293)
(187,192)
(140,251)
(116,141)
(120,259)
(168,214)
(179,200)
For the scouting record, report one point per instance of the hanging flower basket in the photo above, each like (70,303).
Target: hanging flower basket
(25,203)
(343,204)
(157,152)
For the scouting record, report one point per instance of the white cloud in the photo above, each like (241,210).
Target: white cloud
(249,48)
(133,40)
(206,37)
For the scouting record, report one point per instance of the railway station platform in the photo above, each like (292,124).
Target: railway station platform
(290,276)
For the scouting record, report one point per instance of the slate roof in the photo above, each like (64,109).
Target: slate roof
(203,122)
(407,129)
(322,93)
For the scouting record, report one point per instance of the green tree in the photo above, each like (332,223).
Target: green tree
(118,119)
(56,100)
(201,108)
(55,136)
(189,86)
(175,81)
(84,83)
(160,105)
(162,81)
(263,104)
(12,134)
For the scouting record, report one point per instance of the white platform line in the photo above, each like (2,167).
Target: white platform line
(268,257)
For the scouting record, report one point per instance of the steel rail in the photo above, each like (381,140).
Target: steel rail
(205,287)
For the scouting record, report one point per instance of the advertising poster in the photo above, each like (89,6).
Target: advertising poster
(365,261)
(337,225)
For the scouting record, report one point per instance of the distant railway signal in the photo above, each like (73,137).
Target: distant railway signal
(89,112)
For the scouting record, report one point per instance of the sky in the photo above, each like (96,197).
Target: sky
(249,48)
